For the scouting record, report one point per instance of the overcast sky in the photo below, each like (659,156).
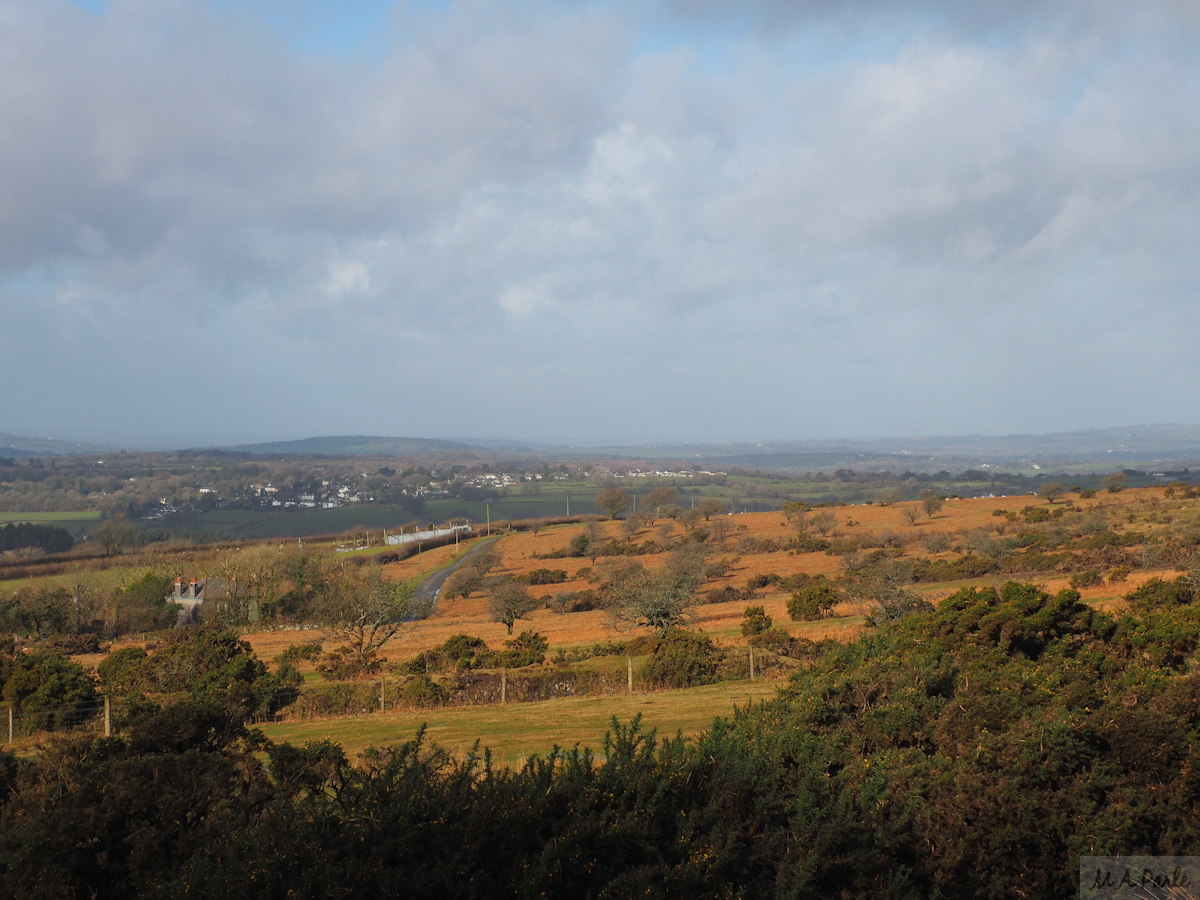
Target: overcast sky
(578,222)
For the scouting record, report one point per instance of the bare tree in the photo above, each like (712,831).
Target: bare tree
(1051,490)
(932,502)
(824,522)
(718,530)
(114,535)
(364,610)
(630,526)
(797,516)
(613,501)
(660,599)
(657,501)
(911,513)
(510,601)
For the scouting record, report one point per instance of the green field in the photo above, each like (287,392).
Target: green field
(291,523)
(518,730)
(304,522)
(72,521)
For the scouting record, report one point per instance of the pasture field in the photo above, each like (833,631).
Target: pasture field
(516,731)
(261,524)
(72,521)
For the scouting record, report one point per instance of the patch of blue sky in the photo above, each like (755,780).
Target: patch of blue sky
(352,29)
(721,47)
(35,282)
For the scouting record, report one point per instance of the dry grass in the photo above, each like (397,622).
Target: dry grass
(519,554)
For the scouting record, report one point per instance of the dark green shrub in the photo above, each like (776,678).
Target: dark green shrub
(682,659)
(1090,578)
(808,543)
(47,687)
(812,602)
(725,594)
(755,621)
(344,664)
(1156,595)
(310,651)
(119,671)
(72,644)
(526,649)
(466,652)
(544,576)
(576,601)
(779,642)
(423,692)
(754,582)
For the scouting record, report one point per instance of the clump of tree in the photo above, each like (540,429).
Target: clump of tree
(662,501)
(114,535)
(46,688)
(209,664)
(26,535)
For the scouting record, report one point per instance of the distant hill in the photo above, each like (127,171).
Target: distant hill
(1099,449)
(16,445)
(353,445)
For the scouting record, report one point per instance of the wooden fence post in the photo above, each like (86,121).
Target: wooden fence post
(382,694)
(751,663)
(10,723)
(107,716)
(630,659)
(503,685)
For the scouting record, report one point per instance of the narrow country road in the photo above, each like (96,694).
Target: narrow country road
(432,586)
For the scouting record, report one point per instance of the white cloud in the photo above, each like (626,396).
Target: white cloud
(348,277)
(818,190)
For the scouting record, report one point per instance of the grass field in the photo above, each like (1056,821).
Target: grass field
(250,523)
(72,521)
(516,731)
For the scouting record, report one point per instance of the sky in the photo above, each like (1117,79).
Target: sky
(574,222)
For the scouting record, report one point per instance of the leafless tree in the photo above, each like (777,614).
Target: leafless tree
(363,610)
(510,601)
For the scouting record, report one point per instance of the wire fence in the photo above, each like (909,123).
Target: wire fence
(31,722)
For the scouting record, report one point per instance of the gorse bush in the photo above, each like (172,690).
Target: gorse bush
(978,750)
(682,658)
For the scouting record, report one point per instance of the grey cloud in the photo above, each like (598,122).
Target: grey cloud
(516,190)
